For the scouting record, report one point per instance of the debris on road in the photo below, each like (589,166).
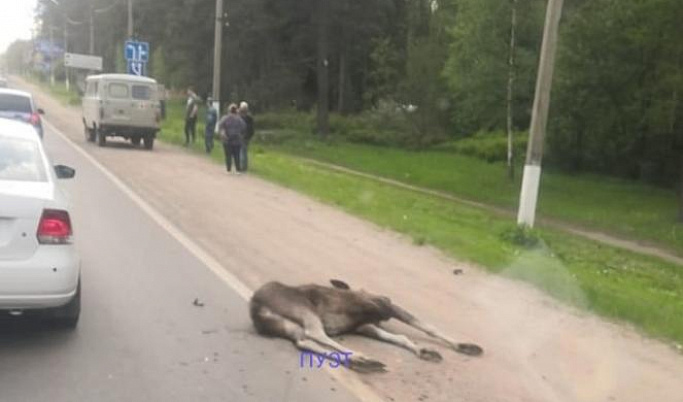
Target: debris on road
(458,272)
(197,303)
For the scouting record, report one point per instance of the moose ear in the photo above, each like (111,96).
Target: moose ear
(339,284)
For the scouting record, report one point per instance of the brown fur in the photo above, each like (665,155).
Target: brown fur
(309,314)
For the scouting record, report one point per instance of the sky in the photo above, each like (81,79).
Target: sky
(16,21)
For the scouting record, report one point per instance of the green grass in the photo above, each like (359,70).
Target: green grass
(612,282)
(625,208)
(58,90)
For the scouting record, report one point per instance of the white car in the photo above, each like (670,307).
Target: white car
(19,105)
(39,265)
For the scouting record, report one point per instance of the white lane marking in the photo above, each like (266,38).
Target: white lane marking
(352,383)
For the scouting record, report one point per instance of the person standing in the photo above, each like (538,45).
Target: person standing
(233,130)
(191,110)
(249,121)
(210,128)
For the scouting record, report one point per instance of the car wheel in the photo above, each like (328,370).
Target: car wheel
(136,141)
(67,315)
(149,142)
(101,138)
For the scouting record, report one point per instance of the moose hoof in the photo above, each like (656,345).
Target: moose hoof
(469,349)
(430,355)
(365,365)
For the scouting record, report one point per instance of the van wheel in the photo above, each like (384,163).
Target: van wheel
(67,315)
(87,133)
(149,141)
(101,138)
(135,141)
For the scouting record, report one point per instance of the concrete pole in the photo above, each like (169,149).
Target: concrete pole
(130,19)
(91,48)
(539,117)
(66,50)
(52,62)
(217,55)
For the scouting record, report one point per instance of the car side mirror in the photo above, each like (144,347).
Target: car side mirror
(64,172)
(40,111)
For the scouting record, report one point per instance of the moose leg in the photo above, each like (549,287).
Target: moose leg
(311,337)
(407,318)
(374,331)
(314,330)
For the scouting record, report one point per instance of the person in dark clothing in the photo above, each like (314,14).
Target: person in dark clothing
(233,130)
(191,110)
(210,128)
(249,121)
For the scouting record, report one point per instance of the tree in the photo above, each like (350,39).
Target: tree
(477,69)
(322,71)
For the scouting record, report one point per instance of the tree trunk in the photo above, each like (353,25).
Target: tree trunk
(323,69)
(342,82)
(680,191)
(511,82)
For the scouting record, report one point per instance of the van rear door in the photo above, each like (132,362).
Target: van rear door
(144,113)
(117,103)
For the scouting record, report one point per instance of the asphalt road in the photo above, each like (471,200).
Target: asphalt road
(140,337)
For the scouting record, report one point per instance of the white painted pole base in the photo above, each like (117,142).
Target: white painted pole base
(217,105)
(529,195)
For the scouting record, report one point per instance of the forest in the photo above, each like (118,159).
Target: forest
(425,71)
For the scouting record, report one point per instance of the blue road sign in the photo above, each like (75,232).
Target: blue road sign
(137,67)
(136,51)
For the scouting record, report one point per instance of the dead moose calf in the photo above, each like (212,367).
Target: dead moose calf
(309,315)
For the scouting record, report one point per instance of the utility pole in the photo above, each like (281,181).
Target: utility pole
(66,50)
(539,116)
(217,55)
(91,48)
(52,53)
(130,19)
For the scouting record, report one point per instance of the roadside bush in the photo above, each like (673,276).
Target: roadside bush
(521,236)
(489,146)
(386,124)
(304,122)
(276,137)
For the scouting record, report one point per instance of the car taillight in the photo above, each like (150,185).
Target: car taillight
(34,119)
(54,227)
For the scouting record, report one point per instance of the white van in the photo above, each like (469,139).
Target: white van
(121,105)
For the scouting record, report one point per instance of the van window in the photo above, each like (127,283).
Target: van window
(142,92)
(119,91)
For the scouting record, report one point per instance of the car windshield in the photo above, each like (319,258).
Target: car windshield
(20,160)
(15,103)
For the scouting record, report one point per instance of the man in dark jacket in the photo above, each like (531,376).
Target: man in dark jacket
(233,130)
(249,121)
